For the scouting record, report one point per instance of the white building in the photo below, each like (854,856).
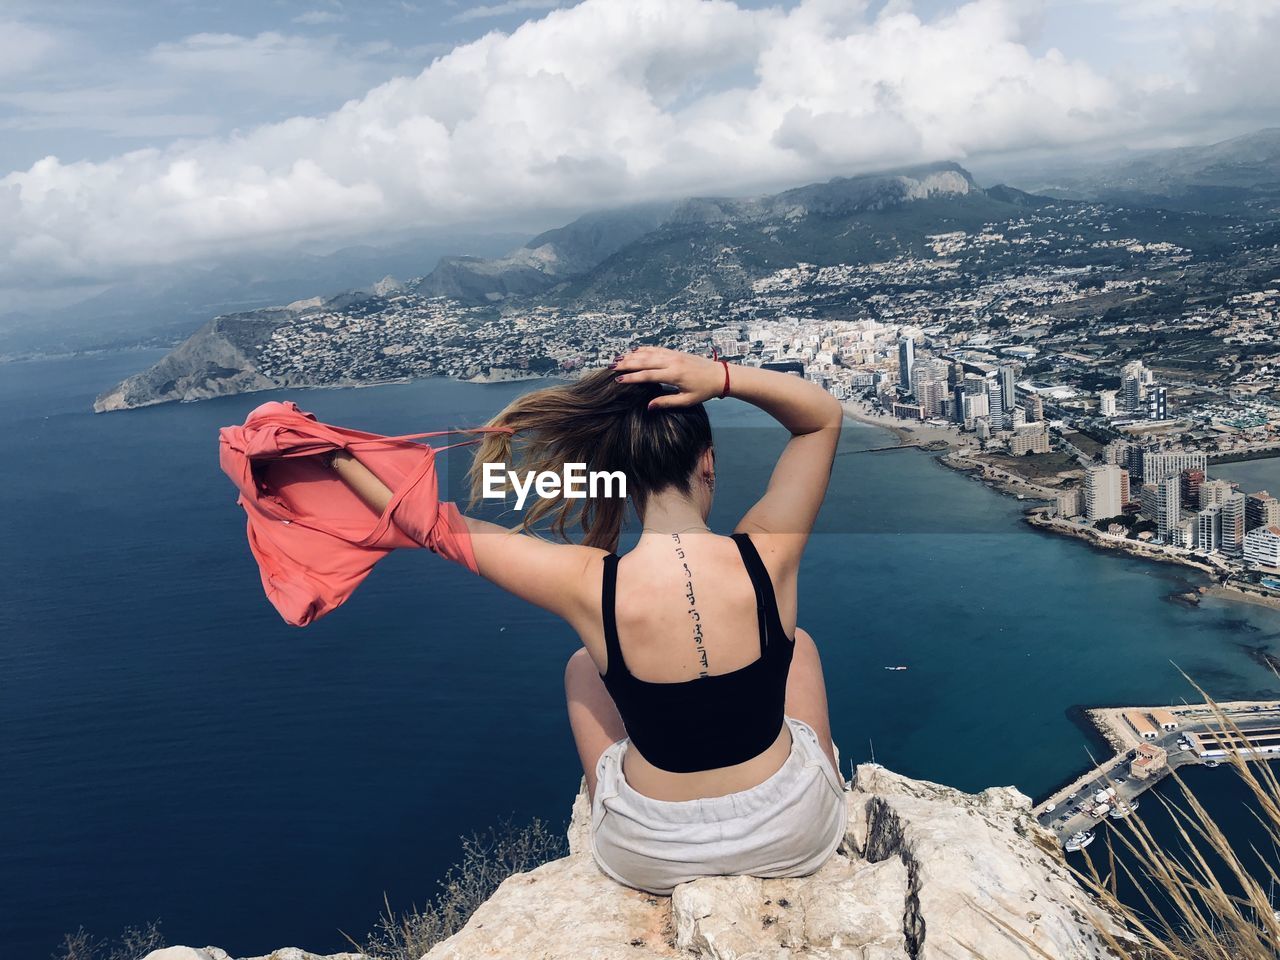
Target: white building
(1102,492)
(1107,403)
(995,404)
(1262,546)
(1030,439)
(1209,528)
(1157,465)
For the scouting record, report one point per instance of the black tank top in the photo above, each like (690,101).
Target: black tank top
(712,721)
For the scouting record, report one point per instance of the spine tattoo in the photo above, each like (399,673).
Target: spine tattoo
(693,607)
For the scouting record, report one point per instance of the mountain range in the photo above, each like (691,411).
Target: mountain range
(716,246)
(1240,174)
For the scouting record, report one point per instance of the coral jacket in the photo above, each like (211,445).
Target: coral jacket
(314,539)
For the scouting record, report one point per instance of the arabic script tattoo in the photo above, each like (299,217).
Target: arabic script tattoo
(693,606)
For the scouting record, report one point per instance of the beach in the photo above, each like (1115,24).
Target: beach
(907,431)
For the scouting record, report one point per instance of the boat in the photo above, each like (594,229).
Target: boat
(1122,810)
(1078,841)
(895,668)
(1213,763)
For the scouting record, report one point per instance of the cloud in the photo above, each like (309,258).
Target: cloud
(608,102)
(197,86)
(316,17)
(23,47)
(485,11)
(273,64)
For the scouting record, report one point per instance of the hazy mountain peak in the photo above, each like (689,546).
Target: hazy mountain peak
(840,196)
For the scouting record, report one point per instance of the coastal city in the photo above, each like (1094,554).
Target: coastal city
(1120,438)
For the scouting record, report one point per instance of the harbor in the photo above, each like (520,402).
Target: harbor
(1150,743)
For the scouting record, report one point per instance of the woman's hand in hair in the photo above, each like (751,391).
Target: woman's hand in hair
(695,378)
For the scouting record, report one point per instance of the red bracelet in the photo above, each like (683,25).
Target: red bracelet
(715,355)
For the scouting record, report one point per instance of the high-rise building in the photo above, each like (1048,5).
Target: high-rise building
(1170,508)
(1162,503)
(1209,528)
(1157,403)
(1008,375)
(971,400)
(1117,451)
(1033,406)
(1126,454)
(1231,540)
(1158,464)
(1261,509)
(906,361)
(1030,439)
(1192,479)
(995,403)
(1262,546)
(1102,492)
(1214,493)
(1134,379)
(1148,501)
(1068,503)
(932,395)
(1107,403)
(1131,391)
(929,385)
(1126,488)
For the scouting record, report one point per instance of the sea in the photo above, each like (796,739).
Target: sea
(171,750)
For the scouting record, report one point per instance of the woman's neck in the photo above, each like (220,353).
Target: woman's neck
(667,516)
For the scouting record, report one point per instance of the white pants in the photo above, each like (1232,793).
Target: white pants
(787,826)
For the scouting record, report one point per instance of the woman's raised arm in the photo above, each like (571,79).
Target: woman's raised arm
(799,481)
(549,575)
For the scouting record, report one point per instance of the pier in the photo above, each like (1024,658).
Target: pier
(1150,743)
(932,446)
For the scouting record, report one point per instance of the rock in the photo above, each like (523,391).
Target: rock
(214,361)
(925,872)
(216,953)
(563,909)
(841,911)
(983,873)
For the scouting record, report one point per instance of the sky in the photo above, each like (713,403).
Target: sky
(136,134)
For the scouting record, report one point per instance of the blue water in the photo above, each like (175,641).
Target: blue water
(170,749)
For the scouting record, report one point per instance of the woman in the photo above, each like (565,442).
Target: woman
(697,705)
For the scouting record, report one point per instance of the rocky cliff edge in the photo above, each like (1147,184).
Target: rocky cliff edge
(925,872)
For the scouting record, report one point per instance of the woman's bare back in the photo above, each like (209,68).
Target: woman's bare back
(662,584)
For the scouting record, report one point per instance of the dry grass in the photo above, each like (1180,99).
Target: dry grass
(487,860)
(134,943)
(1205,901)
